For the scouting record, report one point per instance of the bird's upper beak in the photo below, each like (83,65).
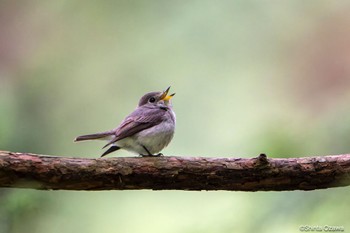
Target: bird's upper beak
(165,95)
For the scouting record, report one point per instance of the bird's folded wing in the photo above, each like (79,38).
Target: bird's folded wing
(137,121)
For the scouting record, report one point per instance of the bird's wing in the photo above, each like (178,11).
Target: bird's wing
(140,119)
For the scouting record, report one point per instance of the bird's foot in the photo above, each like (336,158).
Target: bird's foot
(150,155)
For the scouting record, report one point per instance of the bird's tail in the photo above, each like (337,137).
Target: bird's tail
(103,135)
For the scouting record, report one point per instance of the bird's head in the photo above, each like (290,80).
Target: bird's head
(157,98)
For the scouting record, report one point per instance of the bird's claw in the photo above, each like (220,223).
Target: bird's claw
(156,155)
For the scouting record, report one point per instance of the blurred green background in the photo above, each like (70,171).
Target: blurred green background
(249,77)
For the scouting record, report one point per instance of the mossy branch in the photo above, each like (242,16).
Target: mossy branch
(24,170)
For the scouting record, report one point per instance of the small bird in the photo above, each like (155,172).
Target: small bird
(146,131)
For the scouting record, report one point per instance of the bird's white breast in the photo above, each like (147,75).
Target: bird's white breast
(154,138)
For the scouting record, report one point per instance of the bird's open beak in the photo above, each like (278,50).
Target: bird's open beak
(165,95)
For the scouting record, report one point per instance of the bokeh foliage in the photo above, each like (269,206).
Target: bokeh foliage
(250,77)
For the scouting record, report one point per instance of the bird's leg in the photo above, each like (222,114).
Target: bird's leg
(148,153)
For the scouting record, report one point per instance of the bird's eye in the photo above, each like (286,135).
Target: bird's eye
(152,100)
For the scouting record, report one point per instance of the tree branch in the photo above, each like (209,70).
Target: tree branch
(24,170)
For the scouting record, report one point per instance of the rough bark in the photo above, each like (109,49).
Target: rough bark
(24,170)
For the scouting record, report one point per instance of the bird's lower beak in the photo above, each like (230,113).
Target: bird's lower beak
(165,95)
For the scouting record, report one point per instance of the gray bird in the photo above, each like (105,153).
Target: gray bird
(146,131)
